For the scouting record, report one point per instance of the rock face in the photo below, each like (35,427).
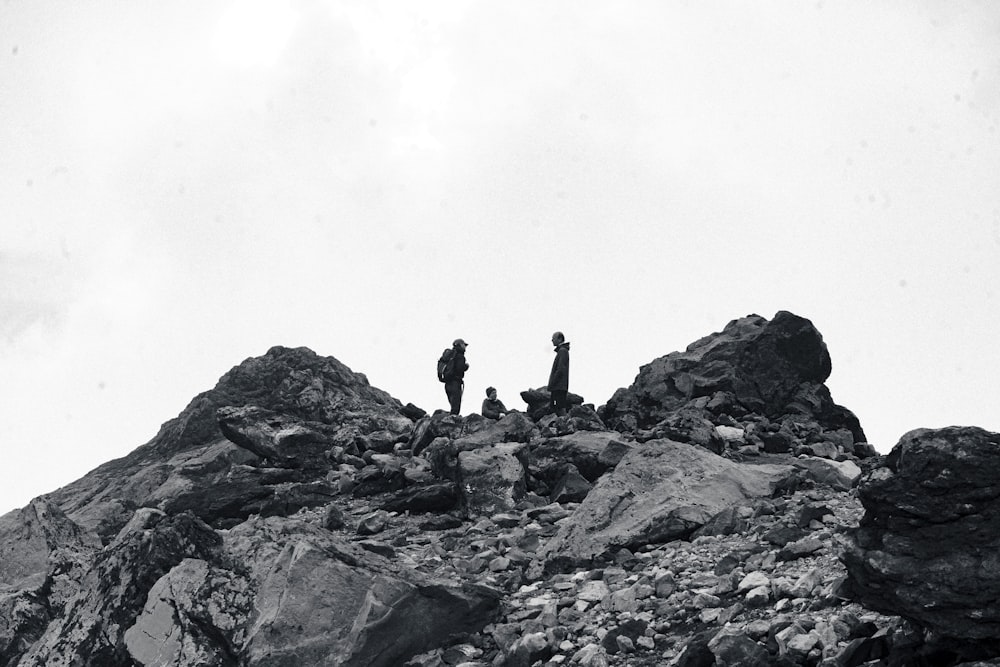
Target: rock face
(285,592)
(136,563)
(171,591)
(44,557)
(928,547)
(297,383)
(492,478)
(295,515)
(770,368)
(660,491)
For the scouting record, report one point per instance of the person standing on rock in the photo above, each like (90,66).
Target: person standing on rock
(454,375)
(493,408)
(559,377)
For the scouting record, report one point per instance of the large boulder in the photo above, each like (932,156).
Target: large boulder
(492,479)
(90,630)
(169,590)
(928,546)
(287,592)
(840,475)
(772,368)
(660,491)
(514,427)
(539,401)
(592,453)
(279,439)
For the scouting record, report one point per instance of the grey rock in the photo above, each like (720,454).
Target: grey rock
(773,368)
(927,546)
(661,490)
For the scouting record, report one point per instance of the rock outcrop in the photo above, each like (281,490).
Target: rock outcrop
(43,558)
(296,383)
(660,491)
(295,515)
(773,370)
(928,546)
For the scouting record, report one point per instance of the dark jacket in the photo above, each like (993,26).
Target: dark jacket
(559,377)
(457,366)
(492,409)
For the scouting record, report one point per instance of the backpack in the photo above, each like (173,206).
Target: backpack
(444,364)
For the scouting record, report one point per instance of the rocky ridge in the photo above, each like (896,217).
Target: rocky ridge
(710,514)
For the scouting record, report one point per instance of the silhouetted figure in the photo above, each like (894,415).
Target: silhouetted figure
(493,408)
(559,377)
(454,375)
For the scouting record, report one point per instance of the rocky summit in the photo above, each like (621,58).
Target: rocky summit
(721,511)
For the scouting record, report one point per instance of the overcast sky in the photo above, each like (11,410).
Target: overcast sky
(186,184)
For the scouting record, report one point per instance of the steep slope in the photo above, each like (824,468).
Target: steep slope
(295,382)
(295,515)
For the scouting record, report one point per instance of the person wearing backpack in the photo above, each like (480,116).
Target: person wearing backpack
(559,377)
(451,371)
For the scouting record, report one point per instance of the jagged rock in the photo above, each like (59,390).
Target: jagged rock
(539,401)
(841,475)
(297,383)
(661,490)
(824,450)
(285,592)
(438,425)
(572,487)
(470,432)
(410,411)
(333,518)
(196,614)
(225,497)
(374,479)
(492,479)
(212,478)
(585,418)
(927,546)
(812,512)
(592,453)
(442,454)
(290,498)
(728,521)
(772,368)
(779,439)
(91,629)
(440,522)
(731,647)
(864,450)
(514,427)
(800,548)
(43,557)
(373,523)
(440,497)
(302,587)
(690,426)
(277,438)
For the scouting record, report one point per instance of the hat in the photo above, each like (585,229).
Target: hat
(459,341)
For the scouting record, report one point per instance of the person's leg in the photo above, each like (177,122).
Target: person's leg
(454,391)
(559,402)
